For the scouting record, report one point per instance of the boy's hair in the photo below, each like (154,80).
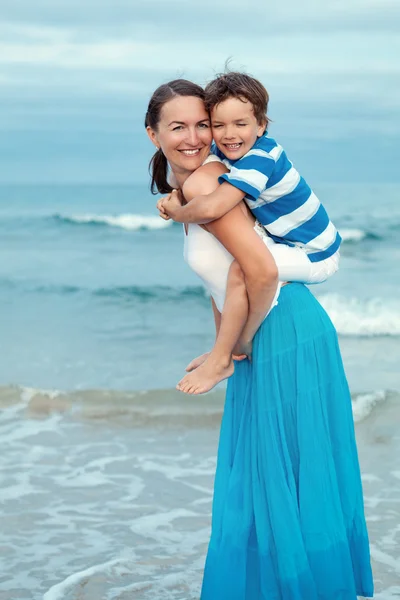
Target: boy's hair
(242,86)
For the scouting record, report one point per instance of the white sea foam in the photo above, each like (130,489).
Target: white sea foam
(32,430)
(86,497)
(391,593)
(363,404)
(384,558)
(130,222)
(13,489)
(58,591)
(352,316)
(353,235)
(27,393)
(160,526)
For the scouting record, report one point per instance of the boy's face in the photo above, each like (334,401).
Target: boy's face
(235,127)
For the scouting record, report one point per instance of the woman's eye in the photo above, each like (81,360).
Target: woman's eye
(204,126)
(177,128)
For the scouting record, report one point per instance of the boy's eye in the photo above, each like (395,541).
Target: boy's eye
(242,124)
(216,126)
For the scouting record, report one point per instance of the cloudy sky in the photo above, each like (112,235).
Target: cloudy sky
(75,79)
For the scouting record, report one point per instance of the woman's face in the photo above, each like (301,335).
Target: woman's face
(183,133)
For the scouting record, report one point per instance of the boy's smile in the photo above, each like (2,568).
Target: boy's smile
(235,127)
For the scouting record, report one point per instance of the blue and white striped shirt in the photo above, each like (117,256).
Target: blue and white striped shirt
(281,200)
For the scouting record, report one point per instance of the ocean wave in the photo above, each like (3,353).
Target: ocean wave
(134,222)
(163,407)
(351,316)
(72,582)
(155,292)
(129,222)
(127,293)
(363,404)
(160,408)
(357,235)
(355,317)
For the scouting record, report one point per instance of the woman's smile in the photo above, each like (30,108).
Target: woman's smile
(193,152)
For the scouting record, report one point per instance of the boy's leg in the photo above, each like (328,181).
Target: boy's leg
(293,263)
(219,365)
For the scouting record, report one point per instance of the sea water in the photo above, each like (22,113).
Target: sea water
(106,471)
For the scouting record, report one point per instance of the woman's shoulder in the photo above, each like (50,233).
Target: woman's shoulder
(212,158)
(204,180)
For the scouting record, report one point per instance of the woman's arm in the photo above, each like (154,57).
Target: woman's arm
(235,231)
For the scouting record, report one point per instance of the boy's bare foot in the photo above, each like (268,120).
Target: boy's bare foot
(196,362)
(205,377)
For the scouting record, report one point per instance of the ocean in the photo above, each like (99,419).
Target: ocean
(106,471)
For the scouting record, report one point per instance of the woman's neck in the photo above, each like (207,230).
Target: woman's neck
(177,179)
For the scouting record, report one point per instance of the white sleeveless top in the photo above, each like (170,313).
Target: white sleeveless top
(207,257)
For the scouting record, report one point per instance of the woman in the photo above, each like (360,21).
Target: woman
(288,520)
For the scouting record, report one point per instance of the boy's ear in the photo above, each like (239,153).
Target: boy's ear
(262,128)
(152,136)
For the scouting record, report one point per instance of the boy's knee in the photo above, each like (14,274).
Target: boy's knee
(236,270)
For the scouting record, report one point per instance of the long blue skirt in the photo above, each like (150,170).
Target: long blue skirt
(288,518)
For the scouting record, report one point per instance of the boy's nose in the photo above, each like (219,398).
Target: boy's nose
(229,134)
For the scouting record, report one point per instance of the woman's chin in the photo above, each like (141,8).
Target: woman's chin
(191,163)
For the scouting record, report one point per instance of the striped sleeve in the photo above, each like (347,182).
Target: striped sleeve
(216,151)
(250,173)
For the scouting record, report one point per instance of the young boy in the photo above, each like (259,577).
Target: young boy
(294,225)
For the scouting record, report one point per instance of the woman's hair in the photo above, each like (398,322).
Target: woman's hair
(241,86)
(158,166)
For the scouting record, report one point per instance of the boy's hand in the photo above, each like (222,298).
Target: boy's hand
(161,210)
(244,347)
(196,362)
(238,357)
(172,204)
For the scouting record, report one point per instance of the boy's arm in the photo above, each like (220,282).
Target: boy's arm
(202,209)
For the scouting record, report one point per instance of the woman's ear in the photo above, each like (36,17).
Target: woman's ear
(153,136)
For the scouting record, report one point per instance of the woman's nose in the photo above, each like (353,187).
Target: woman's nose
(193,137)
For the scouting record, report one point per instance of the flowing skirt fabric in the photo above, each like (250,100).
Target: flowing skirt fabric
(288,518)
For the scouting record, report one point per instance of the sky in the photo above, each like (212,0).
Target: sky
(76,77)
